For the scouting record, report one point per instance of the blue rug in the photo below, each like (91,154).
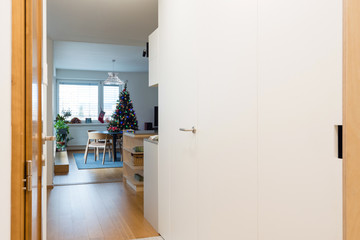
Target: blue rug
(91,164)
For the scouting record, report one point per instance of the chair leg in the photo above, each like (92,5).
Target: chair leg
(104,156)
(112,154)
(95,154)
(86,153)
(109,150)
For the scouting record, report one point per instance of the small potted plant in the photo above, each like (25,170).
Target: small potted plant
(62,133)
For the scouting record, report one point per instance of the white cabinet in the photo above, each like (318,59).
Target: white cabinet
(151,182)
(261,81)
(154,58)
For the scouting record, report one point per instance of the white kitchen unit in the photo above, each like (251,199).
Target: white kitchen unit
(261,82)
(151,182)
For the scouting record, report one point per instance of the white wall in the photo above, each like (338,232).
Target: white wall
(5,120)
(79,133)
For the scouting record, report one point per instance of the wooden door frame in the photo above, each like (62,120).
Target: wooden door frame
(351,119)
(21,115)
(18,98)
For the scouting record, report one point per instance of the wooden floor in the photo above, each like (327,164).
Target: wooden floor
(106,211)
(76,176)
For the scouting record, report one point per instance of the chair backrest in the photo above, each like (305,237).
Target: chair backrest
(96,136)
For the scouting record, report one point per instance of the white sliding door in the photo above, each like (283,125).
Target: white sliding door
(300,86)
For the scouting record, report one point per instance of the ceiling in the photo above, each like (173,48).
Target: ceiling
(124,22)
(98,57)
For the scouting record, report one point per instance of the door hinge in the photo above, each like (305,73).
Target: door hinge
(28,176)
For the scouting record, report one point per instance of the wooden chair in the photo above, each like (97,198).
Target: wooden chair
(96,150)
(93,142)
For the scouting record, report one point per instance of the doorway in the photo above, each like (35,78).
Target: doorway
(87,201)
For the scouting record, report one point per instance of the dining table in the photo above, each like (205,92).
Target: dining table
(114,139)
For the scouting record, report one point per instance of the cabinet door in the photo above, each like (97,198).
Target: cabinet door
(227,120)
(300,85)
(178,185)
(208,80)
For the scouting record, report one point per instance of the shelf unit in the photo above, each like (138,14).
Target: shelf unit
(131,140)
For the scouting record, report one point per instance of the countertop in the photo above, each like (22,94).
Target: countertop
(151,141)
(141,134)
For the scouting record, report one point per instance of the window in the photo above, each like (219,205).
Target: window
(81,99)
(111,95)
(84,98)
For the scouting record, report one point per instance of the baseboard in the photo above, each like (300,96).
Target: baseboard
(79,147)
(76,147)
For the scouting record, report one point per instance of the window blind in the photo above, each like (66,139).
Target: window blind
(111,95)
(81,99)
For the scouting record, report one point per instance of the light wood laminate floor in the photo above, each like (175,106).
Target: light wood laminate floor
(76,176)
(106,211)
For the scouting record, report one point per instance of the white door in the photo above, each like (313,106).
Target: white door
(177,164)
(207,187)
(300,99)
(227,119)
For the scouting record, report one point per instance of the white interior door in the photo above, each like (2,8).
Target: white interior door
(208,83)
(227,119)
(177,109)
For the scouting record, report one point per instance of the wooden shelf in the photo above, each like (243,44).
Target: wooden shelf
(132,151)
(131,140)
(132,166)
(134,184)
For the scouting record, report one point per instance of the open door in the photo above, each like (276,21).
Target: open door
(26,116)
(33,117)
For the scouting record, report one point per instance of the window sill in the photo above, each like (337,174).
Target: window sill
(87,124)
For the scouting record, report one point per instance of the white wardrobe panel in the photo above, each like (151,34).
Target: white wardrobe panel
(227,119)
(300,79)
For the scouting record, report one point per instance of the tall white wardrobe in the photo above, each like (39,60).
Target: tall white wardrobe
(261,82)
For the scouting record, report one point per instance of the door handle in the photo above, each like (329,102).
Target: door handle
(48,138)
(193,130)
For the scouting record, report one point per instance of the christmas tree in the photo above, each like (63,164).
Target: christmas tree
(124,115)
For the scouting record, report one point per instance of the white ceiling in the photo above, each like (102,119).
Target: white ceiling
(98,57)
(124,22)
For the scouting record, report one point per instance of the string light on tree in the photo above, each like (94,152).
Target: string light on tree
(124,116)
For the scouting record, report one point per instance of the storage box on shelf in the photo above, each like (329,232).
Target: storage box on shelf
(133,159)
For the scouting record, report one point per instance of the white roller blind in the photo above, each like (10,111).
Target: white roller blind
(81,99)
(111,95)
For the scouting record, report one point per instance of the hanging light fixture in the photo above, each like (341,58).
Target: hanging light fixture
(113,78)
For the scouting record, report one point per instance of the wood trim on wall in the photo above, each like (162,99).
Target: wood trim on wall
(351,119)
(18,120)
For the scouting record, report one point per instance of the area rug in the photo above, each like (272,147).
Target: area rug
(91,164)
(151,238)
